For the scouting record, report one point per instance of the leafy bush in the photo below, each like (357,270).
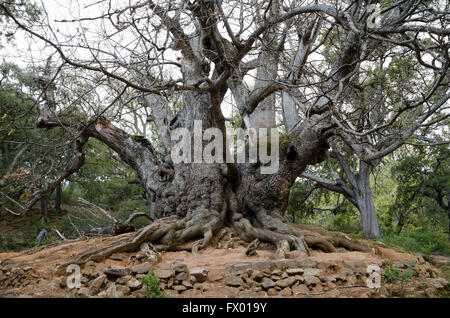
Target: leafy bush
(151,281)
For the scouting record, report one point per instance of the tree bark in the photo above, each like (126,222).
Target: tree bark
(367,209)
(44,208)
(58,193)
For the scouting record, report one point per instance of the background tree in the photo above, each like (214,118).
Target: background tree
(423,184)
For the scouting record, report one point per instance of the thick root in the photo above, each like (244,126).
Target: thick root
(287,236)
(174,231)
(170,231)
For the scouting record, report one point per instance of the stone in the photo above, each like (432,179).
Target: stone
(234,281)
(307,262)
(286,292)
(117,291)
(275,277)
(257,275)
(111,292)
(311,280)
(399,264)
(63,282)
(200,273)
(84,280)
(241,266)
(134,284)
(179,259)
(83,292)
(294,271)
(123,280)
(287,282)
(203,287)
(261,265)
(192,280)
(97,284)
(179,268)
(117,272)
(276,272)
(181,276)
(272,292)
(300,289)
(299,278)
(187,284)
(102,294)
(215,276)
(267,283)
(122,291)
(142,268)
(179,288)
(312,272)
(164,273)
(139,293)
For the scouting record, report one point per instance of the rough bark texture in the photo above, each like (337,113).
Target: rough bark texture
(44,208)
(58,193)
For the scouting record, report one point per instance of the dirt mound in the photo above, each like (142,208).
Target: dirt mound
(222,271)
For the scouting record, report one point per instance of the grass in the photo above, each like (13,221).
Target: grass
(419,242)
(151,281)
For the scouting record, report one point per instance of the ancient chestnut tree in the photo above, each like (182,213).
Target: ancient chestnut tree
(310,68)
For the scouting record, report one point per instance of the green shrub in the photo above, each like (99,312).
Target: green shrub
(151,281)
(394,275)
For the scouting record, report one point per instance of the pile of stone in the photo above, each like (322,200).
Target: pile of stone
(180,279)
(14,276)
(288,277)
(125,282)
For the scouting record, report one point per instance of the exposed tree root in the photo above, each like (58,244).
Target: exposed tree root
(170,231)
(173,232)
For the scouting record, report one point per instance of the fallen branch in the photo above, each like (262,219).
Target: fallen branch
(60,235)
(136,215)
(109,216)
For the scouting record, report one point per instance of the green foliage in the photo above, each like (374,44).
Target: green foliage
(151,281)
(345,222)
(423,184)
(419,242)
(394,275)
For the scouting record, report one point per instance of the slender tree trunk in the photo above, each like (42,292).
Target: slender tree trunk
(400,223)
(364,203)
(58,193)
(44,208)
